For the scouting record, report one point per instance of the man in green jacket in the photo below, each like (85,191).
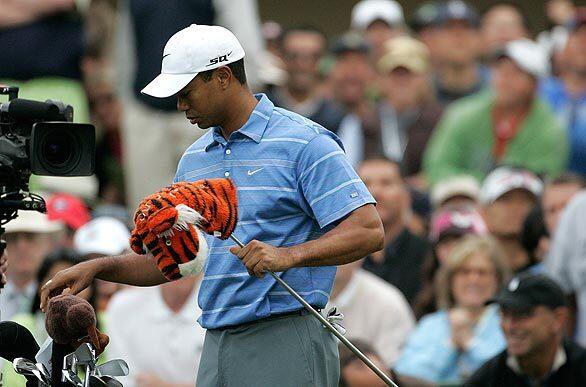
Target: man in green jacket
(508,125)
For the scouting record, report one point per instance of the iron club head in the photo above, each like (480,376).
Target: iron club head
(85,354)
(96,381)
(71,377)
(24,366)
(111,381)
(115,367)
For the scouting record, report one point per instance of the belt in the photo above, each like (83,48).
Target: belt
(276,316)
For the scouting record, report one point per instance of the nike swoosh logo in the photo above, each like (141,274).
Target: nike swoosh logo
(250,173)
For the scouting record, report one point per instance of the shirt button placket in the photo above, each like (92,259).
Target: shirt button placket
(227,152)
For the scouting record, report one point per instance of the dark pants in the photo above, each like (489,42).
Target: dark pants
(291,351)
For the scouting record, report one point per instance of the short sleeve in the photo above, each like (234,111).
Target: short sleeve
(329,185)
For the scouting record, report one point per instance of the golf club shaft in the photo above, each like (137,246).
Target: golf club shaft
(86,380)
(327,324)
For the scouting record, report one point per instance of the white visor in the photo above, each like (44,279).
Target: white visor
(166,85)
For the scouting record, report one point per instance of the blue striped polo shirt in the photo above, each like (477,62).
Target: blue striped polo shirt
(294,184)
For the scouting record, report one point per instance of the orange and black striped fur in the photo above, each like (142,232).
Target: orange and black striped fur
(169,224)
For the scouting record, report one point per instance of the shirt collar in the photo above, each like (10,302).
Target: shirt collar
(11,290)
(558,361)
(254,128)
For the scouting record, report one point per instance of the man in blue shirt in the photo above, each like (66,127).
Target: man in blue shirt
(567,94)
(301,206)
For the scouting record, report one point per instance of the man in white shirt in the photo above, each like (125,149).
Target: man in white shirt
(155,331)
(374,311)
(30,237)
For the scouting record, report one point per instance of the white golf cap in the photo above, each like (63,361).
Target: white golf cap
(526,54)
(103,235)
(33,222)
(192,50)
(462,185)
(505,179)
(366,12)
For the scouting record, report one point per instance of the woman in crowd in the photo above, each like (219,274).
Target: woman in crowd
(448,227)
(449,345)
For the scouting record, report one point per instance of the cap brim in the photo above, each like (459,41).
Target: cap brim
(166,85)
(507,301)
(37,227)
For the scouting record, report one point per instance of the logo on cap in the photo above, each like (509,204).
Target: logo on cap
(514,284)
(219,59)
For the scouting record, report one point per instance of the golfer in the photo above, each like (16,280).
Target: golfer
(302,209)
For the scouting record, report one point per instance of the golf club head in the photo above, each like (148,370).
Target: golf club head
(69,362)
(111,381)
(85,355)
(96,381)
(115,367)
(24,366)
(71,377)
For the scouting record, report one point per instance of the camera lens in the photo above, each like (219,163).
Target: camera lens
(62,149)
(58,150)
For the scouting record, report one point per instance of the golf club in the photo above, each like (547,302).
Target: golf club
(96,381)
(327,324)
(86,357)
(24,366)
(115,367)
(71,377)
(111,381)
(44,373)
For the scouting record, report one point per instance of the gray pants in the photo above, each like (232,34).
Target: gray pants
(291,351)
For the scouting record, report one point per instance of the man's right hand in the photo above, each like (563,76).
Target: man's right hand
(72,280)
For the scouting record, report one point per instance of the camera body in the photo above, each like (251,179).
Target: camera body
(40,138)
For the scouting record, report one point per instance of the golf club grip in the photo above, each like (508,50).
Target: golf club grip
(327,324)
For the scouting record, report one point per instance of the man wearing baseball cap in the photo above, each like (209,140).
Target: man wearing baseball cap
(533,316)
(408,113)
(379,21)
(456,47)
(296,191)
(29,237)
(69,210)
(508,126)
(506,198)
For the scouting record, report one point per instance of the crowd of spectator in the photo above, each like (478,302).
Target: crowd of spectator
(467,127)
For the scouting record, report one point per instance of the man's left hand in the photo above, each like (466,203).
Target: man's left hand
(258,257)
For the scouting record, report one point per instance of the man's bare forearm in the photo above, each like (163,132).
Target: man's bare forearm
(130,269)
(355,237)
(17,12)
